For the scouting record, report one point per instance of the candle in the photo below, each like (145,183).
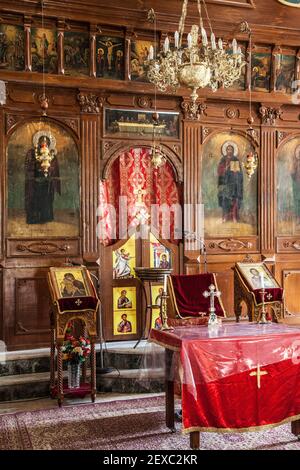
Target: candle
(234,46)
(165,283)
(176,39)
(213,41)
(151,53)
(262,280)
(204,37)
(166,45)
(220,43)
(189,40)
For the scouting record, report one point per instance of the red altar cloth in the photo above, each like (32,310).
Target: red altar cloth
(188,290)
(220,391)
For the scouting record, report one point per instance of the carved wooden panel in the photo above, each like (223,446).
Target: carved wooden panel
(288,245)
(291,280)
(26,316)
(33,247)
(233,245)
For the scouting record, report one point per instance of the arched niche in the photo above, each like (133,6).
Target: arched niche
(228,194)
(42,204)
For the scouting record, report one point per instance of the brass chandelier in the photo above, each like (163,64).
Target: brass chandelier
(202,62)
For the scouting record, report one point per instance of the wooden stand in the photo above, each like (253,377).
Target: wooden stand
(58,389)
(59,319)
(242,293)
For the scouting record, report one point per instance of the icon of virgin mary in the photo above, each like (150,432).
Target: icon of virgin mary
(42,178)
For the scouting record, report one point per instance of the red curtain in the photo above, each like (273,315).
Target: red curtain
(130,197)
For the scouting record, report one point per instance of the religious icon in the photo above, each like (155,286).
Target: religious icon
(288,188)
(296,183)
(160,255)
(291,3)
(77,52)
(285,73)
(124,310)
(11,47)
(71,282)
(71,287)
(230,182)
(40,157)
(42,179)
(139,54)
(123,300)
(261,71)
(257,275)
(130,122)
(229,199)
(122,269)
(43,50)
(125,325)
(110,57)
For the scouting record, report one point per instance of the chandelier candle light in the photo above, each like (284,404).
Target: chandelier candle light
(202,62)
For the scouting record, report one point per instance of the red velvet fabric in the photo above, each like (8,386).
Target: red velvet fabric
(69,303)
(271,295)
(141,187)
(188,290)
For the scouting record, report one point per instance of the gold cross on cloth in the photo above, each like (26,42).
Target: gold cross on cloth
(258,373)
(78,302)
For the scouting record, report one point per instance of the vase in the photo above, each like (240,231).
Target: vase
(73,375)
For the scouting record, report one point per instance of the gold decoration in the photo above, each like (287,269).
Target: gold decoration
(251,164)
(199,64)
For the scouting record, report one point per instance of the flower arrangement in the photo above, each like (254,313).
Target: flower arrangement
(75,350)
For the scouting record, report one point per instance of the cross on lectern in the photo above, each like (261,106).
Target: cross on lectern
(259,373)
(212,293)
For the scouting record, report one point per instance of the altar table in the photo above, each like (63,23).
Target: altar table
(234,378)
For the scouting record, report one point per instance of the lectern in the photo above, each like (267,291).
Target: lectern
(73,298)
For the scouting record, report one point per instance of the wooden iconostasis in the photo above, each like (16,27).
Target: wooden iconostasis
(98,131)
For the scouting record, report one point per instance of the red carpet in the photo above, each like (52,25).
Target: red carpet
(132,424)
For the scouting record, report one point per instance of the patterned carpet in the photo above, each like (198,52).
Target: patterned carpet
(134,424)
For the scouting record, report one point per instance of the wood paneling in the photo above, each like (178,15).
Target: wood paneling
(24,308)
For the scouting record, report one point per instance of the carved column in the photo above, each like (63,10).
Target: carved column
(192,172)
(90,105)
(60,47)
(93,51)
(128,37)
(269,116)
(27,29)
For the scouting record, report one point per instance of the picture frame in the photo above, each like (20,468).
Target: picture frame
(70,282)
(133,123)
(251,273)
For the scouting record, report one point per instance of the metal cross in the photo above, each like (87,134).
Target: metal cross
(212,293)
(258,374)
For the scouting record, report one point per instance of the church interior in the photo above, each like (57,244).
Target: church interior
(150,225)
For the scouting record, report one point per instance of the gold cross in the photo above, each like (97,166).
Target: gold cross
(78,302)
(258,373)
(139,193)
